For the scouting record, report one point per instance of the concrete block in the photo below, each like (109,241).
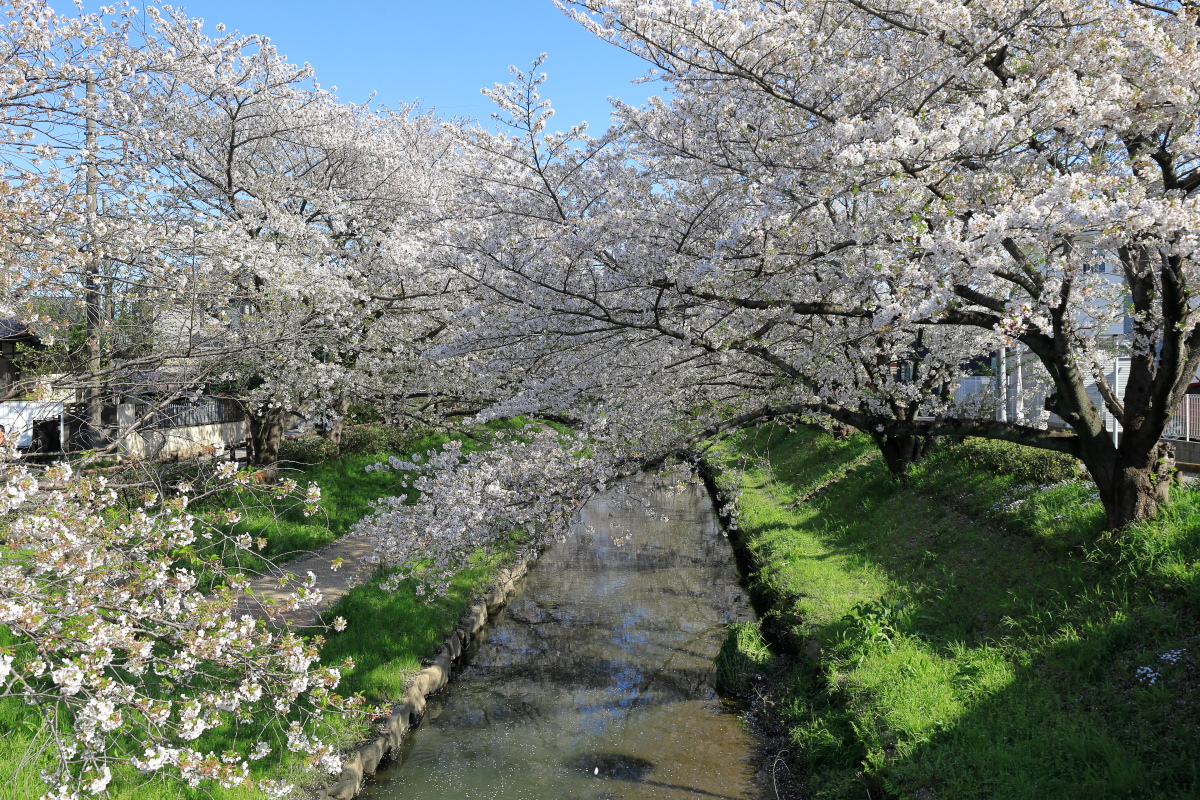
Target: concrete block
(431,679)
(442,668)
(478,618)
(398,721)
(352,770)
(342,790)
(420,683)
(493,600)
(415,701)
(372,754)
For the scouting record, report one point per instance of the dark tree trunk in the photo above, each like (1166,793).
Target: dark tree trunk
(266,434)
(333,430)
(1133,485)
(901,452)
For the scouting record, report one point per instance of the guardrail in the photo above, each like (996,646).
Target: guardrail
(180,415)
(1185,423)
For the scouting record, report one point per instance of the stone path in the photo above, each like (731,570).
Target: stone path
(352,549)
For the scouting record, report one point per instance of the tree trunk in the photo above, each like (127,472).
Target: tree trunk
(1134,484)
(901,452)
(266,434)
(333,430)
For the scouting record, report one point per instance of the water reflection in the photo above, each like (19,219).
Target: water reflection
(597,682)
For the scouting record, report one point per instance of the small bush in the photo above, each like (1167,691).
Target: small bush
(360,414)
(743,655)
(370,439)
(875,623)
(1026,464)
(307,450)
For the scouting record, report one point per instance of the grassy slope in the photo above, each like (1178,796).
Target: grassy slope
(388,634)
(347,490)
(978,639)
(391,632)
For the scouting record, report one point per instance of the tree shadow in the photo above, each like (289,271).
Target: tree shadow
(962,659)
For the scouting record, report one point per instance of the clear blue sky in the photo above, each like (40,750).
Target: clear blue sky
(440,53)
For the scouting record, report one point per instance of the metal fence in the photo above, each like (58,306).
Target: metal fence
(184,415)
(1185,423)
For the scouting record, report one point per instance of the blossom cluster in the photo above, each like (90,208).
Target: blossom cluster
(843,208)
(113,636)
(453,504)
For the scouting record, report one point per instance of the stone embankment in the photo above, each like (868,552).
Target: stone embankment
(406,714)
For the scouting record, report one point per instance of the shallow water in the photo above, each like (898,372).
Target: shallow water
(597,682)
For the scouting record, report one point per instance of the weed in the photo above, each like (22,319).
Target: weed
(742,657)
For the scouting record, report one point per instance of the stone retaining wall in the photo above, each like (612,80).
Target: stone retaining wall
(192,440)
(407,713)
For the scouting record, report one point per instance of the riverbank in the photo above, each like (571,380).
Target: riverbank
(389,634)
(969,634)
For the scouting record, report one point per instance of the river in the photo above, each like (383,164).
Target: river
(597,681)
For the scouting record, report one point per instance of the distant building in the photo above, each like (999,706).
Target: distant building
(14,336)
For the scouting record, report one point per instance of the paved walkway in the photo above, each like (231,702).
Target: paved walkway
(352,549)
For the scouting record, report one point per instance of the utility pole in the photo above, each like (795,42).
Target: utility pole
(91,291)
(1019,389)
(1002,376)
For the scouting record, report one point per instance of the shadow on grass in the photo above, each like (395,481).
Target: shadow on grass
(979,638)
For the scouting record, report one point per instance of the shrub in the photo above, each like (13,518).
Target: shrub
(360,414)
(369,439)
(307,450)
(1026,464)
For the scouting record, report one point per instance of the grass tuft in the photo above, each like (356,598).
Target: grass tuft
(742,658)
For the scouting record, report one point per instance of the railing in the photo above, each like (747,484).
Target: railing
(183,415)
(1185,423)
(972,387)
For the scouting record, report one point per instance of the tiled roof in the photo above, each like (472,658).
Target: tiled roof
(11,327)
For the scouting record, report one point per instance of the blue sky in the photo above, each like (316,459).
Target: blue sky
(440,53)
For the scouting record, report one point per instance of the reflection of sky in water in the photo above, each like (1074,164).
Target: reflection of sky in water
(597,682)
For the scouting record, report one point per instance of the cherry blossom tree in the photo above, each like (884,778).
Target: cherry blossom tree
(289,197)
(944,164)
(594,263)
(129,653)
(534,481)
(217,218)
(123,628)
(50,236)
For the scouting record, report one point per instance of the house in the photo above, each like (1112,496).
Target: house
(14,337)
(1013,392)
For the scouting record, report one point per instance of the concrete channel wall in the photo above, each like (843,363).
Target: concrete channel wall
(406,714)
(186,442)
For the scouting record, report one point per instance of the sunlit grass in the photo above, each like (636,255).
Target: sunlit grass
(979,636)
(388,636)
(388,633)
(347,491)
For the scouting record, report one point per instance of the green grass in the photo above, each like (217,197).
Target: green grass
(388,635)
(980,638)
(347,490)
(743,656)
